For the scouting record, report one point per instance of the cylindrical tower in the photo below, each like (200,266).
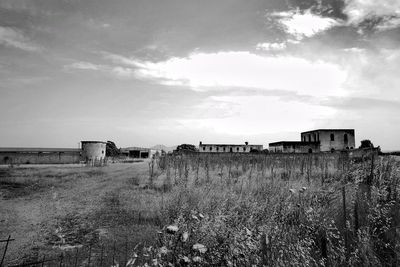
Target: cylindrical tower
(94,152)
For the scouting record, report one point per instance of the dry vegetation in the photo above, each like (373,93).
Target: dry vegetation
(212,210)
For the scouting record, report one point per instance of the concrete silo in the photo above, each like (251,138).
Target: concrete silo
(94,152)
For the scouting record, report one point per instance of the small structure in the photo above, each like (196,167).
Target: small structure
(226,148)
(94,152)
(138,152)
(294,147)
(321,140)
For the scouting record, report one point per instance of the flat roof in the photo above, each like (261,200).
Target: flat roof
(328,130)
(294,143)
(94,142)
(228,145)
(135,148)
(38,149)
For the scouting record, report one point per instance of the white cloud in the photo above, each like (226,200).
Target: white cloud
(81,65)
(123,72)
(117,71)
(304,24)
(14,38)
(204,71)
(252,115)
(271,46)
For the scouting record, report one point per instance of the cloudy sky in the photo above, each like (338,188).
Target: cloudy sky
(146,72)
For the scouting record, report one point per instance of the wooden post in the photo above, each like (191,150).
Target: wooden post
(5,250)
(345,220)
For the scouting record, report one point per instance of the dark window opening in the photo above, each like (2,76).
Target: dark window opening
(346,138)
(332,137)
(347,147)
(310,150)
(102,152)
(244,149)
(217,148)
(204,148)
(237,149)
(231,150)
(332,150)
(224,149)
(210,148)
(351,147)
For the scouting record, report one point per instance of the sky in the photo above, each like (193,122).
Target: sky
(147,72)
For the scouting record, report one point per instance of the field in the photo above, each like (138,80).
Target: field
(218,210)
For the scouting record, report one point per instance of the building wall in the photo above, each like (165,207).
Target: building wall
(326,144)
(40,157)
(93,151)
(215,148)
(275,148)
(294,148)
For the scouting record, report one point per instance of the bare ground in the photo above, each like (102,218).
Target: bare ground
(52,208)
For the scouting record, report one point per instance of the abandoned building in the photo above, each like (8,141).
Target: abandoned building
(94,152)
(225,148)
(138,152)
(294,147)
(20,155)
(91,152)
(321,140)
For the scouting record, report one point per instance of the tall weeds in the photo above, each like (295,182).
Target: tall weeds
(280,210)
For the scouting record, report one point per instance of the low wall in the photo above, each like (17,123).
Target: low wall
(40,157)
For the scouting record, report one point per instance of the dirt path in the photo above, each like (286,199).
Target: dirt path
(53,206)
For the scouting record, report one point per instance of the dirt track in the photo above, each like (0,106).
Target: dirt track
(59,206)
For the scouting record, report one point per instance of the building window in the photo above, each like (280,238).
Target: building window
(210,148)
(217,148)
(224,149)
(102,152)
(204,148)
(318,137)
(237,149)
(346,138)
(309,138)
(332,137)
(244,149)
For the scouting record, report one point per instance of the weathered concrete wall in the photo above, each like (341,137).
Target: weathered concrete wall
(339,141)
(211,148)
(93,150)
(275,148)
(294,148)
(40,157)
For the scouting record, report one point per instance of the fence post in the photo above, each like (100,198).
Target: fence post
(126,250)
(76,257)
(61,259)
(5,250)
(43,260)
(113,256)
(101,255)
(90,254)
(345,221)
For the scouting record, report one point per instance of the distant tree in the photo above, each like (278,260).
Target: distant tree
(366,144)
(111,149)
(186,147)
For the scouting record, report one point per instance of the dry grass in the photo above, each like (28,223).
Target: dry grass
(244,209)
